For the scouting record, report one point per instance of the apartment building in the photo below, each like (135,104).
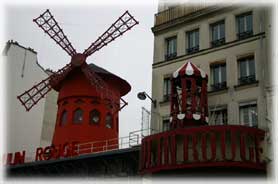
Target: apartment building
(232,45)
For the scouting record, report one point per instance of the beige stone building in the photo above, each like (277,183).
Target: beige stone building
(232,45)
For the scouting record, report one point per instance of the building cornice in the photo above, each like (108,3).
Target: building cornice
(208,50)
(189,18)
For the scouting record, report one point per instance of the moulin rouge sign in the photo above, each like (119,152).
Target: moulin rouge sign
(229,145)
(47,153)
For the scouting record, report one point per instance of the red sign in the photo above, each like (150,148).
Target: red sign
(47,153)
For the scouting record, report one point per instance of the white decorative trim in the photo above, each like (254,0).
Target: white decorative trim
(189,69)
(181,116)
(207,119)
(171,119)
(176,74)
(203,74)
(196,116)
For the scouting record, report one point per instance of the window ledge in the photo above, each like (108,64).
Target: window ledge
(247,85)
(218,91)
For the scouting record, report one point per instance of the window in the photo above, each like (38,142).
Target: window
(193,41)
(219,116)
(78,116)
(247,70)
(165,124)
(218,76)
(218,33)
(248,114)
(245,25)
(171,48)
(64,118)
(94,117)
(166,89)
(108,120)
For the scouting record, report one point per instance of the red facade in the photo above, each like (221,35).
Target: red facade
(84,115)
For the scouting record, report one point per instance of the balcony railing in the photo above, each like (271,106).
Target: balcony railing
(192,50)
(176,12)
(216,43)
(247,79)
(244,35)
(206,146)
(170,56)
(219,86)
(52,153)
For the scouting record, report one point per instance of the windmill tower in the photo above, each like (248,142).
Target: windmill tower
(89,97)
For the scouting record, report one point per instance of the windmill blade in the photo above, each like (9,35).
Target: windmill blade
(118,28)
(101,86)
(32,96)
(50,26)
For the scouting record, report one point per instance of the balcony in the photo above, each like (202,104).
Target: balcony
(176,12)
(219,86)
(229,146)
(192,50)
(219,42)
(244,35)
(247,80)
(170,56)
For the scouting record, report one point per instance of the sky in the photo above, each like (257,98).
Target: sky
(130,56)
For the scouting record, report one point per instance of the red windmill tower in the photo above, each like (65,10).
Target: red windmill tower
(89,96)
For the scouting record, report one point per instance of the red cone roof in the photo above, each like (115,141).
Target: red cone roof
(189,69)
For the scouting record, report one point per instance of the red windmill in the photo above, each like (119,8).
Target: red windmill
(89,96)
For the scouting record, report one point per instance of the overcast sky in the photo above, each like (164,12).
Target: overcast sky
(129,57)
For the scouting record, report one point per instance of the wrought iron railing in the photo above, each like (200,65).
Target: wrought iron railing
(133,139)
(170,56)
(216,43)
(192,50)
(244,35)
(247,79)
(176,12)
(219,86)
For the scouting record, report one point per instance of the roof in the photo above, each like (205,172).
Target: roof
(10,42)
(189,69)
(124,85)
(121,84)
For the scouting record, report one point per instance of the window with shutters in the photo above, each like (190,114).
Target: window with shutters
(244,25)
(171,48)
(247,72)
(192,41)
(217,33)
(248,114)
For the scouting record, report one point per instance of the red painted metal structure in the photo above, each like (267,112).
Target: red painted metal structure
(77,93)
(189,104)
(89,96)
(191,143)
(204,146)
(50,26)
